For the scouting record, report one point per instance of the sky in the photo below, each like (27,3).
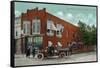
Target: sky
(70,13)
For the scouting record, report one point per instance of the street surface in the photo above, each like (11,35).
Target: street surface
(21,60)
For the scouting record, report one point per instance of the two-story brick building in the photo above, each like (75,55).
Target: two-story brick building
(42,29)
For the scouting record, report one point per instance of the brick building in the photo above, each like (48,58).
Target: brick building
(42,29)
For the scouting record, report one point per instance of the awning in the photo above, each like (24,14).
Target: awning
(49,43)
(51,26)
(59,27)
(59,44)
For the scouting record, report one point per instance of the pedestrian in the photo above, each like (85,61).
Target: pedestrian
(28,50)
(33,51)
(70,48)
(52,50)
(49,50)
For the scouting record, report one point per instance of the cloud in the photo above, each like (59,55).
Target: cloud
(69,16)
(17,13)
(74,18)
(87,18)
(60,13)
(65,16)
(90,15)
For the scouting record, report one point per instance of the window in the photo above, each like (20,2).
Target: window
(50,28)
(38,40)
(29,39)
(36,26)
(26,27)
(67,33)
(73,35)
(59,30)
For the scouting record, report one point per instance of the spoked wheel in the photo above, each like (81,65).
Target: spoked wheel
(40,56)
(62,54)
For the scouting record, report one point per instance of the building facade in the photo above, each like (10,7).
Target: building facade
(17,35)
(43,29)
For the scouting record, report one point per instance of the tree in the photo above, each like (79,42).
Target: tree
(88,33)
(84,33)
(94,35)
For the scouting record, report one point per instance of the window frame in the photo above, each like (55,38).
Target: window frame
(50,32)
(26,27)
(36,26)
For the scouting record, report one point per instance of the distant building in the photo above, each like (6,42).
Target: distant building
(17,34)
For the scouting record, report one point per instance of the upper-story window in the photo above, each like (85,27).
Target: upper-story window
(26,27)
(74,35)
(59,30)
(67,33)
(50,28)
(36,26)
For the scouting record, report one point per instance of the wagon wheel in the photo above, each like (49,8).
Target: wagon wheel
(62,54)
(40,56)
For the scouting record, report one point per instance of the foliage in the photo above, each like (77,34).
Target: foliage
(88,33)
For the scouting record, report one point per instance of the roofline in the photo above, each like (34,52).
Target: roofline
(62,20)
(44,9)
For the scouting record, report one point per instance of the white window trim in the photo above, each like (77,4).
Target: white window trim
(26,25)
(51,27)
(59,28)
(35,21)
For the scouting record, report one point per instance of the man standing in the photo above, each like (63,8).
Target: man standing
(70,48)
(33,51)
(28,51)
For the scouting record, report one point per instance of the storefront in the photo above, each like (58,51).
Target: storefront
(34,41)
